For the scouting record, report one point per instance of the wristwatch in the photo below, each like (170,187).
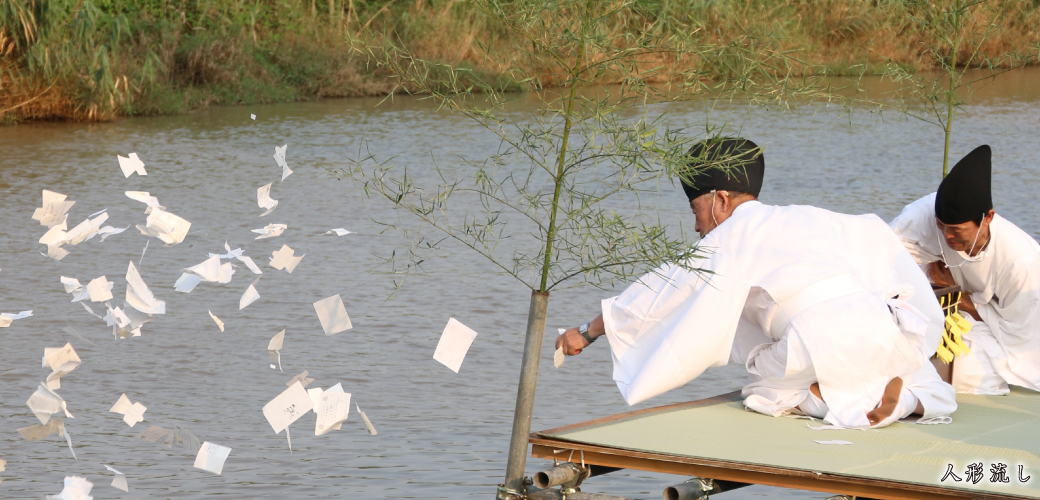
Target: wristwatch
(583,330)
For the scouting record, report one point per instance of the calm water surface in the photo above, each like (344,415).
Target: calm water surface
(441,435)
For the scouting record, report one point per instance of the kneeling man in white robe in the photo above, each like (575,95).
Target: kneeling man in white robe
(955,234)
(829,312)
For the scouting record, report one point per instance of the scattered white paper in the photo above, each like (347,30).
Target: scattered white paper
(263,199)
(453,345)
(339,232)
(287,408)
(55,236)
(332,409)
(118,482)
(301,379)
(89,310)
(55,252)
(84,230)
(237,254)
(212,270)
(283,259)
(169,228)
(211,457)
(45,403)
(270,231)
(131,165)
(53,210)
(274,347)
(7,318)
(37,432)
(147,199)
(107,231)
(558,357)
(220,324)
(132,413)
(100,289)
(155,433)
(250,296)
(139,296)
(252,116)
(76,488)
(279,158)
(368,423)
(835,441)
(187,282)
(333,315)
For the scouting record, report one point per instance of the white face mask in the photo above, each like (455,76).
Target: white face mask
(965,256)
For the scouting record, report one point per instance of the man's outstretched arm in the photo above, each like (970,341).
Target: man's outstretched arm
(572,341)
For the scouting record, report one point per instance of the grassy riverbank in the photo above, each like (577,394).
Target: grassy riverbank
(99,59)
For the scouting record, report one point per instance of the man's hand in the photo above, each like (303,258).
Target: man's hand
(968,307)
(940,275)
(572,342)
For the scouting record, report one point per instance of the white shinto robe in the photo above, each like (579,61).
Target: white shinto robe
(1004,283)
(797,285)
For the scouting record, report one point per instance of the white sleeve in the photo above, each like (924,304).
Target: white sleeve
(669,327)
(915,227)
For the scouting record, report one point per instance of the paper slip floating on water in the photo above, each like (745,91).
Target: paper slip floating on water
(211,457)
(454,344)
(131,164)
(332,315)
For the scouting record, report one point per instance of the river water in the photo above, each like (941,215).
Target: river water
(441,434)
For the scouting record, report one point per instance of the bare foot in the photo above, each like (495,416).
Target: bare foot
(889,400)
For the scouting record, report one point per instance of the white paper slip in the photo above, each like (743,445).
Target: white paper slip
(147,199)
(76,488)
(453,345)
(131,165)
(211,457)
(301,379)
(220,324)
(39,431)
(368,423)
(279,158)
(252,116)
(53,210)
(333,315)
(558,357)
(7,318)
(287,408)
(135,414)
(339,232)
(122,405)
(283,258)
(332,410)
(263,199)
(834,441)
(55,357)
(139,296)
(249,297)
(169,228)
(274,348)
(45,403)
(100,289)
(118,482)
(270,231)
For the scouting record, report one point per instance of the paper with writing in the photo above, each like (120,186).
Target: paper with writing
(53,210)
(287,408)
(211,457)
(453,345)
(100,289)
(332,315)
(167,227)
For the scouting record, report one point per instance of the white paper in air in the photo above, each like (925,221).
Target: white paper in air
(131,165)
(332,315)
(454,344)
(211,457)
(287,408)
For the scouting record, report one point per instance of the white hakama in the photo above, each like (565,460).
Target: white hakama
(799,295)
(1004,282)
